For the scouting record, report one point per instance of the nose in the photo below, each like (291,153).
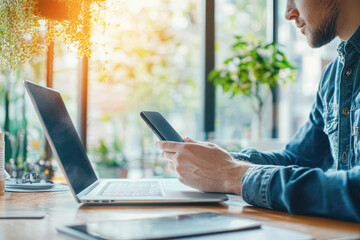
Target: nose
(291,11)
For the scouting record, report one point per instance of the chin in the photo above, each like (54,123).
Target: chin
(314,42)
(310,42)
(317,39)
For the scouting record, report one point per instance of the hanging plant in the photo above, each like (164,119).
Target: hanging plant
(20,35)
(75,24)
(27,26)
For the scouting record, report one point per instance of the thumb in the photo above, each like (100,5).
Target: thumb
(189,139)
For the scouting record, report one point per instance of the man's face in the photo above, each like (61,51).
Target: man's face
(317,19)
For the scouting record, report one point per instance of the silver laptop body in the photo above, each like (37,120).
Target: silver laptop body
(85,186)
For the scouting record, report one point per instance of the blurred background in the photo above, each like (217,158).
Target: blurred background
(156,62)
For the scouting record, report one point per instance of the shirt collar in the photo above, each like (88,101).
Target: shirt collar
(355,39)
(352,44)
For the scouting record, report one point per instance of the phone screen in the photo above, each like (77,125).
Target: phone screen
(160,126)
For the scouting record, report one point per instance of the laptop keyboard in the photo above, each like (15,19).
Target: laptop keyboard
(132,189)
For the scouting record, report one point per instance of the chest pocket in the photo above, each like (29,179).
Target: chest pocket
(330,129)
(331,123)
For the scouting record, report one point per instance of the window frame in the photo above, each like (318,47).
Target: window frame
(208,92)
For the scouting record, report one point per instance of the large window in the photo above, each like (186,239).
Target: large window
(24,136)
(154,64)
(65,74)
(234,117)
(152,61)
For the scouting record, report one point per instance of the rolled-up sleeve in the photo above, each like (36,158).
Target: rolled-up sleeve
(255,185)
(304,191)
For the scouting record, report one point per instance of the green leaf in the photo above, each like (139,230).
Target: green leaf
(240,45)
(258,60)
(227,61)
(214,74)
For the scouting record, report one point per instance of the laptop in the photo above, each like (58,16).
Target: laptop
(85,186)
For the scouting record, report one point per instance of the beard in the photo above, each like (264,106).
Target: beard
(326,31)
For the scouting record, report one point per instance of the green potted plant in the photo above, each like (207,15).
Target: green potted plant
(110,160)
(253,70)
(27,26)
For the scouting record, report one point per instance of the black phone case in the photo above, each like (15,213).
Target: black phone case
(160,126)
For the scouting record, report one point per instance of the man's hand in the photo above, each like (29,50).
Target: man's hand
(204,166)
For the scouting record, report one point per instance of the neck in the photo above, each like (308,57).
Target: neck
(349,19)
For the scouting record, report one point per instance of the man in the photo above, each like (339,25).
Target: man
(296,179)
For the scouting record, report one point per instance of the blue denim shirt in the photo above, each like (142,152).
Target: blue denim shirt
(318,172)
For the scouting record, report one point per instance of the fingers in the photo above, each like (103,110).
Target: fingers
(172,166)
(170,156)
(168,146)
(189,139)
(174,146)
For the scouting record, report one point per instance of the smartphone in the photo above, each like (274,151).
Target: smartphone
(160,126)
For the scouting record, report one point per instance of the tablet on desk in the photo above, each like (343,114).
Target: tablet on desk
(185,225)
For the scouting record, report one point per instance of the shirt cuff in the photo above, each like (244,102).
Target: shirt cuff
(256,185)
(239,156)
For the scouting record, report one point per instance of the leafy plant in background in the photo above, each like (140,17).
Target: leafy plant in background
(110,159)
(20,35)
(15,128)
(108,155)
(253,70)
(104,152)
(23,24)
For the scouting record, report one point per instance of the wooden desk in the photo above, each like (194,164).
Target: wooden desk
(61,209)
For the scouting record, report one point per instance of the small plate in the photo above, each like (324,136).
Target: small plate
(14,183)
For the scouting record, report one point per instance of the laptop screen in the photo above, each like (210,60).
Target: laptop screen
(62,136)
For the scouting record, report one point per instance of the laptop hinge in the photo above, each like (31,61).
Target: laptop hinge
(88,189)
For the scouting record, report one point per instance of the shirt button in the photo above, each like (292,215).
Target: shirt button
(344,155)
(345,111)
(348,72)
